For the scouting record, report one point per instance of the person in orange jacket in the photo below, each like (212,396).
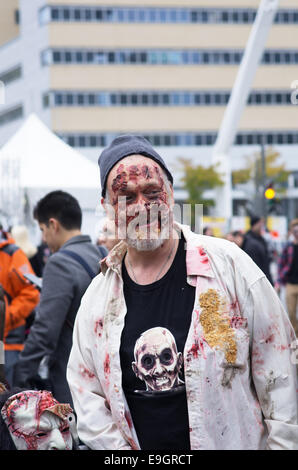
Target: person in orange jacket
(20,296)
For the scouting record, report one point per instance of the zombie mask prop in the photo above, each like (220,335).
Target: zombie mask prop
(36,421)
(157,361)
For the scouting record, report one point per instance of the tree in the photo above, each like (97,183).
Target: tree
(197,179)
(274,171)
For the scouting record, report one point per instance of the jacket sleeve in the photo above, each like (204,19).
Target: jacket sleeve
(96,427)
(24,296)
(273,364)
(56,297)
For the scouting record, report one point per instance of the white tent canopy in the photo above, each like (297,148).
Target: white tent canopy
(45,161)
(34,162)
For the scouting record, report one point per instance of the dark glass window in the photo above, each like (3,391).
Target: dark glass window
(88,14)
(165,98)
(55,14)
(194,16)
(66,14)
(90,57)
(69,99)
(114,99)
(82,141)
(98,15)
(58,99)
(77,14)
(91,99)
(79,56)
(81,99)
(67,57)
(56,57)
(93,142)
(71,141)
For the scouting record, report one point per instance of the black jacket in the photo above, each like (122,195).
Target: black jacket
(64,283)
(256,247)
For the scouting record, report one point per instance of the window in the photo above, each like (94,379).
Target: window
(55,14)
(17,16)
(58,99)
(69,99)
(45,100)
(68,56)
(11,75)
(159,15)
(162,56)
(56,57)
(172,98)
(66,14)
(11,115)
(182,139)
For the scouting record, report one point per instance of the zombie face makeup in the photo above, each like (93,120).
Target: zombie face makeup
(142,200)
(36,421)
(157,361)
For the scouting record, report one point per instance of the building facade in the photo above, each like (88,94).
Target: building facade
(93,70)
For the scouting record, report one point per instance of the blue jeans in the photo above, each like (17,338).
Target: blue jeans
(11,358)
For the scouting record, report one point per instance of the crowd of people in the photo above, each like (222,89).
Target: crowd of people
(162,339)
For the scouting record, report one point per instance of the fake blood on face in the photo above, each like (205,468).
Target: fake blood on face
(137,176)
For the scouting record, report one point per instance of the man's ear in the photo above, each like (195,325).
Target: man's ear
(54,224)
(102,202)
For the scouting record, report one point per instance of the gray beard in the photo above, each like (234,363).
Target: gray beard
(145,245)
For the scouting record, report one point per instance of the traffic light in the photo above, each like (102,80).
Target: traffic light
(270,195)
(270,191)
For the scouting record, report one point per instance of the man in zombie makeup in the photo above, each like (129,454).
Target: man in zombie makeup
(34,420)
(164,289)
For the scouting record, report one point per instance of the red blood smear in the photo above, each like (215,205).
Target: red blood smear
(98,327)
(146,173)
(120,182)
(106,366)
(196,348)
(128,419)
(86,373)
(134,172)
(270,339)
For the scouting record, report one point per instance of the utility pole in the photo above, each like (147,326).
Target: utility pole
(238,99)
(264,181)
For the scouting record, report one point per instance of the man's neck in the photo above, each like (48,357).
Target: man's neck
(146,267)
(150,257)
(67,235)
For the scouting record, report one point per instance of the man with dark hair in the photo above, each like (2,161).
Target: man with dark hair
(256,247)
(180,342)
(68,271)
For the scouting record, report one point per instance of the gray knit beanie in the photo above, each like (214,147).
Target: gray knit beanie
(121,147)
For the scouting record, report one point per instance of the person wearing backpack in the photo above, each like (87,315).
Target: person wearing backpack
(68,272)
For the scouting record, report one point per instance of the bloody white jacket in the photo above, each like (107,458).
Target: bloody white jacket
(239,356)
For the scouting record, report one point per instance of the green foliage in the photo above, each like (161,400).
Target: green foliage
(275,171)
(197,179)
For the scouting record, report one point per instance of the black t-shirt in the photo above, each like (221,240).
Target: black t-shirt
(292,277)
(152,343)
